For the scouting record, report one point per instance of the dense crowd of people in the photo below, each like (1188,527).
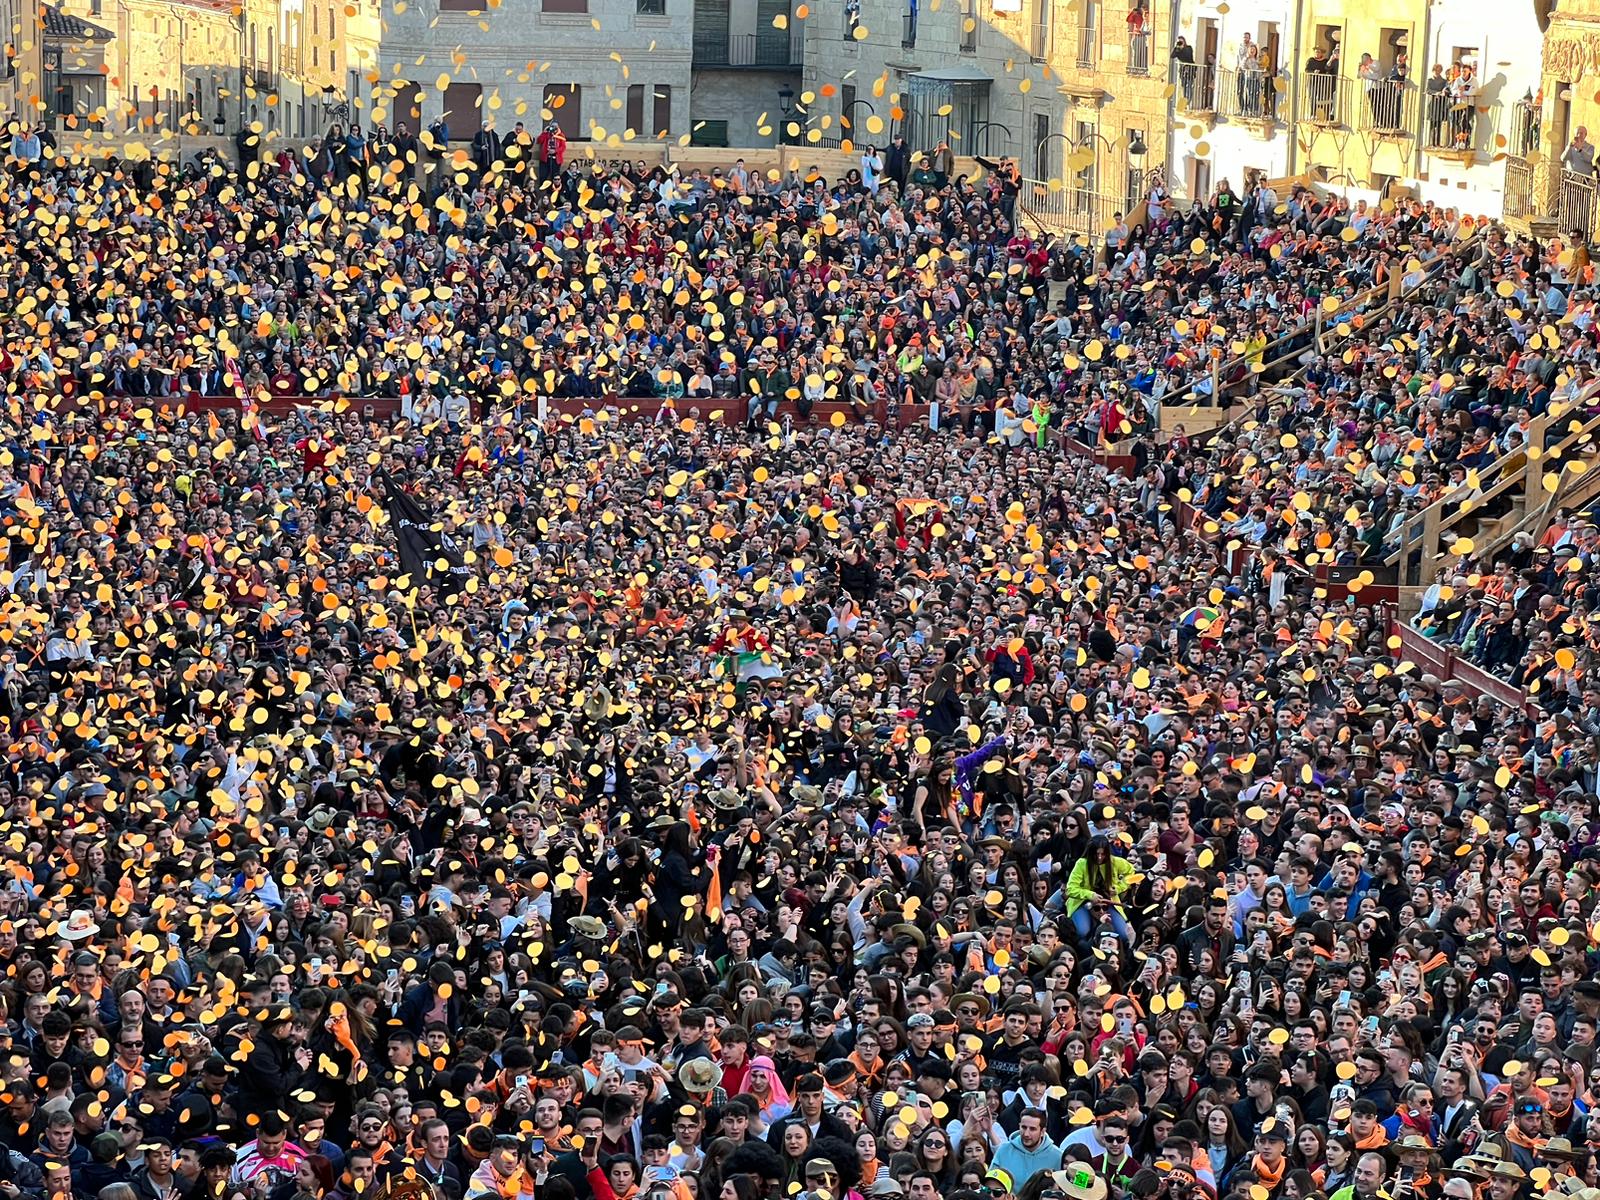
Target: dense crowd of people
(838,784)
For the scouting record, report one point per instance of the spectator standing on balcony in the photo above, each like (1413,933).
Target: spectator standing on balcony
(1248,54)
(1319,82)
(1463,94)
(1437,88)
(1250,83)
(1579,155)
(1183,55)
(1399,76)
(1138,47)
(1370,72)
(486,148)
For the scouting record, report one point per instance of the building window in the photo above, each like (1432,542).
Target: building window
(1041,145)
(635,113)
(652,8)
(408,105)
(709,133)
(467,6)
(564,103)
(463,109)
(566,6)
(1086,138)
(969,26)
(1089,33)
(661,122)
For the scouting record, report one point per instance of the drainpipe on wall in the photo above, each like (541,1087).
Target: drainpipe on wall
(1296,58)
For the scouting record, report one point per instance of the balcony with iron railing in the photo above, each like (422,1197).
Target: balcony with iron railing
(1388,107)
(1139,53)
(758,51)
(1522,138)
(1247,95)
(1575,206)
(1071,210)
(260,76)
(1088,46)
(1039,41)
(1450,122)
(1520,196)
(1195,88)
(1324,99)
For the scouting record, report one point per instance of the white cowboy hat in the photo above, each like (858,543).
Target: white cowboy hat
(78,926)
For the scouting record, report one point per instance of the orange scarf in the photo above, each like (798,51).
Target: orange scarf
(1517,1138)
(1374,1140)
(868,1073)
(1267,1176)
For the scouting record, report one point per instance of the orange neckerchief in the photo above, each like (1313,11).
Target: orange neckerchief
(1374,1140)
(1266,1175)
(1517,1138)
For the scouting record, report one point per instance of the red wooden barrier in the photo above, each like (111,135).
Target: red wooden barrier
(1443,661)
(633,408)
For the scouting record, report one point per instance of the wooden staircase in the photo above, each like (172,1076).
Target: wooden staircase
(1558,468)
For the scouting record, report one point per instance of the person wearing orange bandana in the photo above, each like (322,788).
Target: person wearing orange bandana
(1525,1132)
(1365,1128)
(503,1176)
(1267,1166)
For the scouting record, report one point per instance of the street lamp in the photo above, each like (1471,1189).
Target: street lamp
(1136,145)
(785,107)
(52,84)
(1040,163)
(850,108)
(981,131)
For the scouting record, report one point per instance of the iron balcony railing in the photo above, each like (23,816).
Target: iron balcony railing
(1523,136)
(1388,107)
(1196,87)
(1247,94)
(1519,193)
(1324,98)
(1139,53)
(751,50)
(1088,45)
(1575,203)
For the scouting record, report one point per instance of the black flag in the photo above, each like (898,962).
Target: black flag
(421,545)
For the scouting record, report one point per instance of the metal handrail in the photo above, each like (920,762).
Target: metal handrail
(1195,88)
(1388,106)
(1512,467)
(1324,98)
(1319,320)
